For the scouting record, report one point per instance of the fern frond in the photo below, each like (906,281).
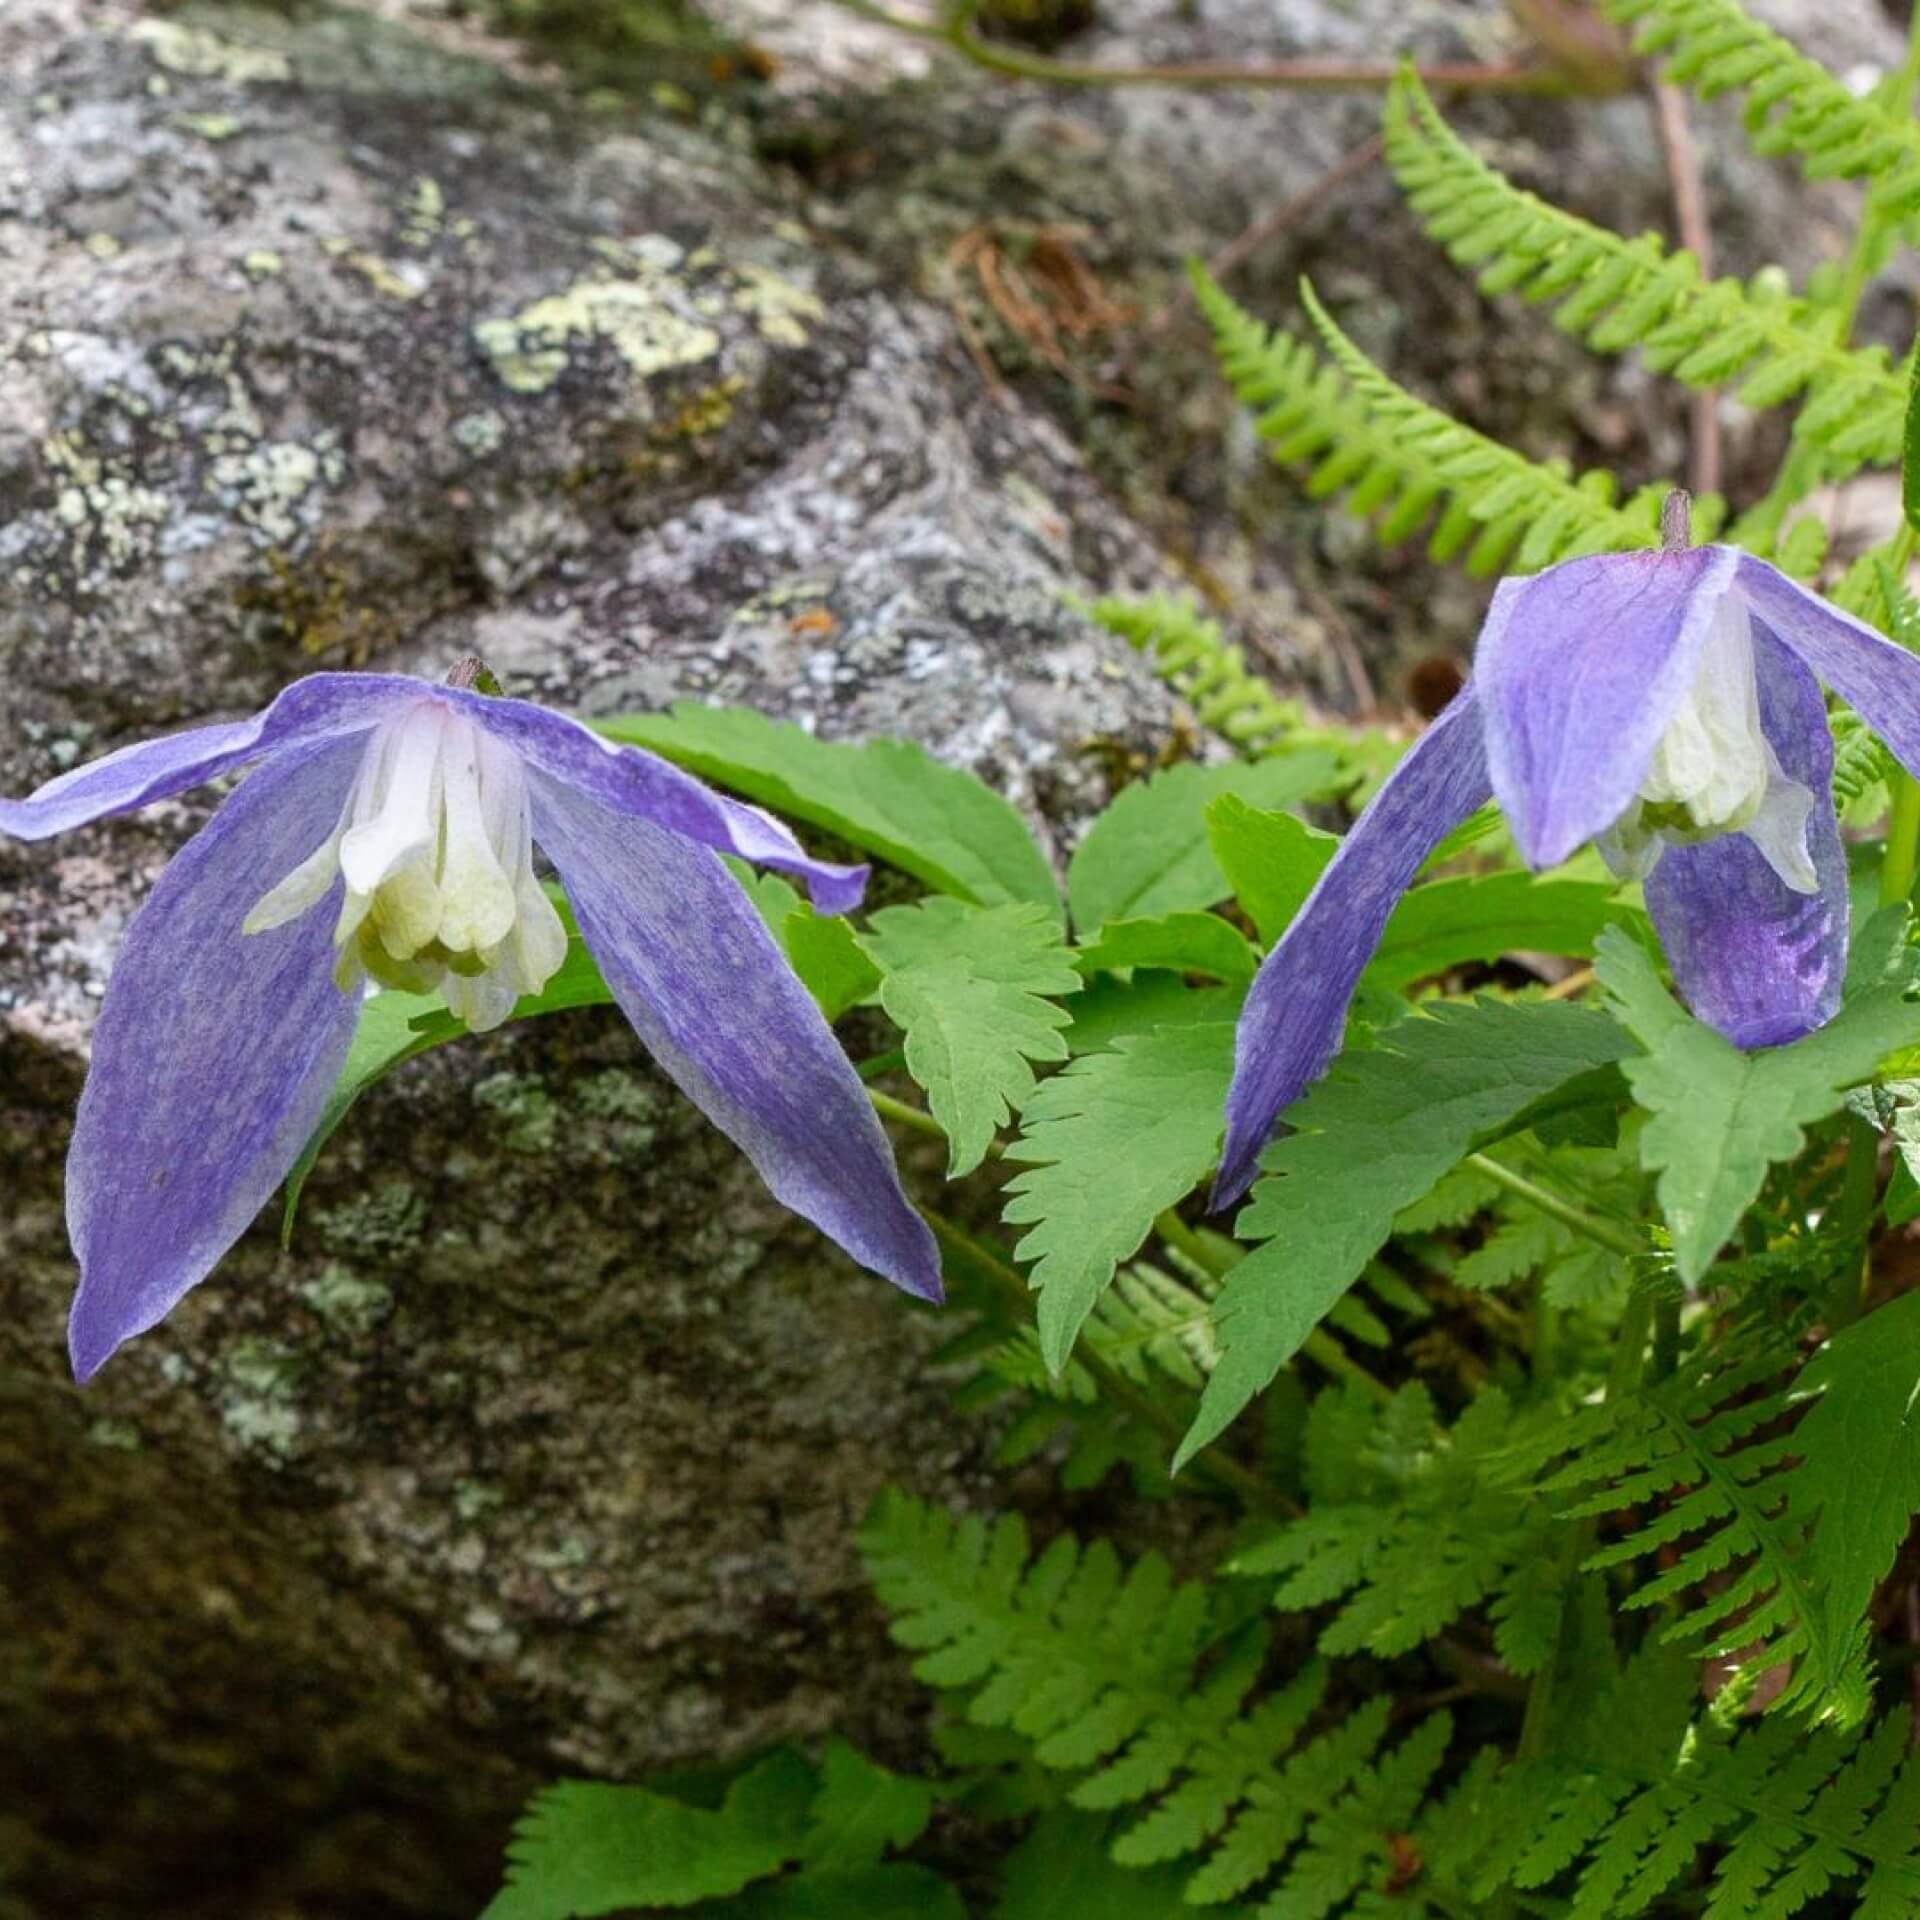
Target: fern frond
(1617,293)
(1794,105)
(1189,652)
(1108,1674)
(1860,761)
(1636,1793)
(1408,1531)
(1696,1469)
(1372,440)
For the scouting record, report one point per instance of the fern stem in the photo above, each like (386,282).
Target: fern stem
(1605,1233)
(1226,1472)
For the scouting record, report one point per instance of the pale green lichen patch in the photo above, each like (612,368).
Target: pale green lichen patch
(201,55)
(480,433)
(527,1107)
(425,214)
(348,1300)
(383,277)
(106,517)
(780,309)
(266,486)
(262,263)
(262,1375)
(640,318)
(209,126)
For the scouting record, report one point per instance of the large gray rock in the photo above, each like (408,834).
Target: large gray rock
(543,1447)
(338,338)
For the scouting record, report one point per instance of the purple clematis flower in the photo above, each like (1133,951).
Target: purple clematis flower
(387,829)
(1665,705)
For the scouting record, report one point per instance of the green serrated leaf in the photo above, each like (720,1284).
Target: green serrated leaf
(1148,854)
(1369,1140)
(888,797)
(1064,1870)
(1108,1144)
(583,1848)
(1180,942)
(828,958)
(1447,923)
(965,984)
(863,1810)
(1270,860)
(1721,1117)
(1110,1010)
(868,1893)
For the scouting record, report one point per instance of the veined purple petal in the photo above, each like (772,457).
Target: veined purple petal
(1297,1006)
(1868,671)
(1755,960)
(319,707)
(631,781)
(1579,669)
(712,997)
(213,1057)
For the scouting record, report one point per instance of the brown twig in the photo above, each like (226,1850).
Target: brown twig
(1270,226)
(1690,217)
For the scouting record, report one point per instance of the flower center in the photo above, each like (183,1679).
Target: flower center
(1714,771)
(435,844)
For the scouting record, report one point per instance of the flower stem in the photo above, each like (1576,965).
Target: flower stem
(1591,1226)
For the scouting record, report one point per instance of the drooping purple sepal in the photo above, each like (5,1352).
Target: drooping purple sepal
(323,706)
(1759,962)
(1878,678)
(214,1054)
(1296,1009)
(629,780)
(713,999)
(1579,670)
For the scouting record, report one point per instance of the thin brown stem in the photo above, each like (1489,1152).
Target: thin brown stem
(1690,218)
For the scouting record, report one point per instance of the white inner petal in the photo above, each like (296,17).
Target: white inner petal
(1714,771)
(1711,762)
(435,845)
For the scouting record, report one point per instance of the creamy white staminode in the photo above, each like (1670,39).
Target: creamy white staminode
(436,847)
(1714,771)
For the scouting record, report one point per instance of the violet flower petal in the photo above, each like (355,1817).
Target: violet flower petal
(1755,960)
(631,781)
(1296,1009)
(1870,672)
(213,1057)
(711,996)
(319,707)
(1579,669)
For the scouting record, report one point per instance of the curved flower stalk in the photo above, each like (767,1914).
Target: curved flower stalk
(387,830)
(1665,705)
